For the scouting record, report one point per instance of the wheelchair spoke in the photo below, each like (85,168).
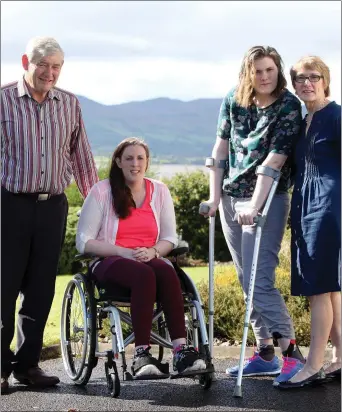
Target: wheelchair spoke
(76,330)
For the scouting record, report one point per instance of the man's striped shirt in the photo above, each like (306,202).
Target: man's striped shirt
(43,145)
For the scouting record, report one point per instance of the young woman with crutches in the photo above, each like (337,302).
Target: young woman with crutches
(258,123)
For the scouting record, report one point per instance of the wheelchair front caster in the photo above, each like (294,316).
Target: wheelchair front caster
(206,380)
(113,381)
(113,385)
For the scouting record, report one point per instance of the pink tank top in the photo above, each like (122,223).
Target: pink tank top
(140,228)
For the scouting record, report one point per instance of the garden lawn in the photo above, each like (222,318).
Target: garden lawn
(52,332)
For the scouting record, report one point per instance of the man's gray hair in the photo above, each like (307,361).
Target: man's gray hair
(39,47)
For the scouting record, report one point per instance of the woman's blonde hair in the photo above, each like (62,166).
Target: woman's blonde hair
(312,63)
(245,91)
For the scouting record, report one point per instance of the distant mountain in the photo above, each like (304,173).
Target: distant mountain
(172,128)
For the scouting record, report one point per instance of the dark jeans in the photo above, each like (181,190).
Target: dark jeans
(32,234)
(147,283)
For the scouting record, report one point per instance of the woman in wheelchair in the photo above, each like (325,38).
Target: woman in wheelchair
(128,221)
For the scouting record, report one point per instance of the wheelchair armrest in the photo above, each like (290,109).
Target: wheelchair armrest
(178,251)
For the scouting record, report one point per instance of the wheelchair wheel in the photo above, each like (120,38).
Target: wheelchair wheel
(78,329)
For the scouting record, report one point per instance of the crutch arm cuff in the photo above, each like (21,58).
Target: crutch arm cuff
(268,171)
(211,162)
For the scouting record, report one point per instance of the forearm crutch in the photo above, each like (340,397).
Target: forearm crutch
(204,208)
(260,222)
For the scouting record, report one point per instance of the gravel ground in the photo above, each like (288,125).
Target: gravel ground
(170,395)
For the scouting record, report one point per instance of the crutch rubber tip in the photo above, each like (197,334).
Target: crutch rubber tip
(237,392)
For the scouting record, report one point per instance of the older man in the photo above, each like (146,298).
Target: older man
(44,143)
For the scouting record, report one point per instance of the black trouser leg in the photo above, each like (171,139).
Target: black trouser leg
(17,217)
(38,287)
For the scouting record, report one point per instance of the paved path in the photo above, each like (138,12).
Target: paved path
(170,395)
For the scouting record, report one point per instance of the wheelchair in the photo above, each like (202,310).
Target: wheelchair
(85,306)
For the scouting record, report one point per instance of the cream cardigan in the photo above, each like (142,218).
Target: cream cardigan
(98,220)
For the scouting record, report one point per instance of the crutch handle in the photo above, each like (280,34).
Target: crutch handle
(204,208)
(256,219)
(260,220)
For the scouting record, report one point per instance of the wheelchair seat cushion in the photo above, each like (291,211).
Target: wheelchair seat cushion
(121,295)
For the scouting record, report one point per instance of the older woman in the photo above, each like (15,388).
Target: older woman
(129,220)
(258,123)
(316,219)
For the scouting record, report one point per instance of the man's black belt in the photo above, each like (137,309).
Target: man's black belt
(38,197)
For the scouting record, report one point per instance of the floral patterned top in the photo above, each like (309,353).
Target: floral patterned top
(253,133)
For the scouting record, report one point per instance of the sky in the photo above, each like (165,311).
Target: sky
(116,52)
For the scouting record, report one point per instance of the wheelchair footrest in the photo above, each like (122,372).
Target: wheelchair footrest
(192,374)
(151,377)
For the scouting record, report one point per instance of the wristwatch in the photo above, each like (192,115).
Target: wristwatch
(157,255)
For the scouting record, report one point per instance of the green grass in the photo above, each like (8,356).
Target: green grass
(52,334)
(198,273)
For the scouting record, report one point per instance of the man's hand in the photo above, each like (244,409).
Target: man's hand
(143,254)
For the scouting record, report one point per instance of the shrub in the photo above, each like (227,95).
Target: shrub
(69,251)
(188,190)
(230,307)
(285,252)
(73,194)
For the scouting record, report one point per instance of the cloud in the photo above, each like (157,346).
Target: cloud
(121,51)
(124,81)
(190,30)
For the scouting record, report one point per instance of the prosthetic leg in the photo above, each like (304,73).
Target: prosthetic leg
(260,221)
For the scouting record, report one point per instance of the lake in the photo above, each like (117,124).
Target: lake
(162,171)
(167,171)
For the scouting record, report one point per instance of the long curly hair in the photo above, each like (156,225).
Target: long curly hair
(121,193)
(245,92)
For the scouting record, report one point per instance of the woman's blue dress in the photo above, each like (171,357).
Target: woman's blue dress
(316,206)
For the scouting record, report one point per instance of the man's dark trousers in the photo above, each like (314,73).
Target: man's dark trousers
(32,234)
